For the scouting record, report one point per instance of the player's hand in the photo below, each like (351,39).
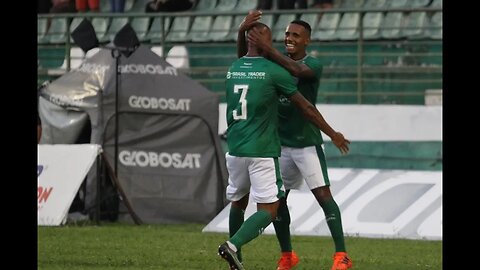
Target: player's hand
(256,38)
(340,142)
(252,17)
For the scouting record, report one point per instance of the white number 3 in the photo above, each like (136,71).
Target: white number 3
(243,88)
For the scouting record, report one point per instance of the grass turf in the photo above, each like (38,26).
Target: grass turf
(125,246)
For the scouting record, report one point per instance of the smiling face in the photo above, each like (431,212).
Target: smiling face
(296,40)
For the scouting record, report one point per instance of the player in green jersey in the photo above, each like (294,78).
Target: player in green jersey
(253,85)
(302,154)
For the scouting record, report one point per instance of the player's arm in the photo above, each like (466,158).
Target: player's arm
(296,69)
(252,17)
(311,113)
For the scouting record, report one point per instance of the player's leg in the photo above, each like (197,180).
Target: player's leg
(237,192)
(330,208)
(332,216)
(266,188)
(341,260)
(227,250)
(312,164)
(291,179)
(282,226)
(250,229)
(236,219)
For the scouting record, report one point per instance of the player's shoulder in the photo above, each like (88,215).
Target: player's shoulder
(309,59)
(273,65)
(276,70)
(313,63)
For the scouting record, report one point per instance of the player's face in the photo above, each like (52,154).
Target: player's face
(296,39)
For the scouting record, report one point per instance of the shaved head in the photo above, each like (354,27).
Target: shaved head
(263,28)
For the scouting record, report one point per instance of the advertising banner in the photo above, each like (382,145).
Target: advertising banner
(61,170)
(373,203)
(167,154)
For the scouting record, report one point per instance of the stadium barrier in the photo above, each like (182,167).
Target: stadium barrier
(362,65)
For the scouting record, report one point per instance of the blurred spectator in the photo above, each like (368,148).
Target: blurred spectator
(44,6)
(169,5)
(92,5)
(117,6)
(290,4)
(322,4)
(63,6)
(282,4)
(264,4)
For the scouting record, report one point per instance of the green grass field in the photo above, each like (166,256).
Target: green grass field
(125,246)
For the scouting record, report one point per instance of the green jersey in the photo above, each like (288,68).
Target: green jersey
(295,130)
(253,86)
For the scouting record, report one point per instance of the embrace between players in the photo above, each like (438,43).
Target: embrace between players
(274,140)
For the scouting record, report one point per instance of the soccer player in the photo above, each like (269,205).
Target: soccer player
(252,87)
(302,156)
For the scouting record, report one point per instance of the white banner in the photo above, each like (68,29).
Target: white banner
(373,203)
(376,122)
(61,170)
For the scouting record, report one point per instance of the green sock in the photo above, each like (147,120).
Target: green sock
(334,222)
(282,227)
(251,228)
(235,221)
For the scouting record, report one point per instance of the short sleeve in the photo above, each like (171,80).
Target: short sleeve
(315,65)
(283,81)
